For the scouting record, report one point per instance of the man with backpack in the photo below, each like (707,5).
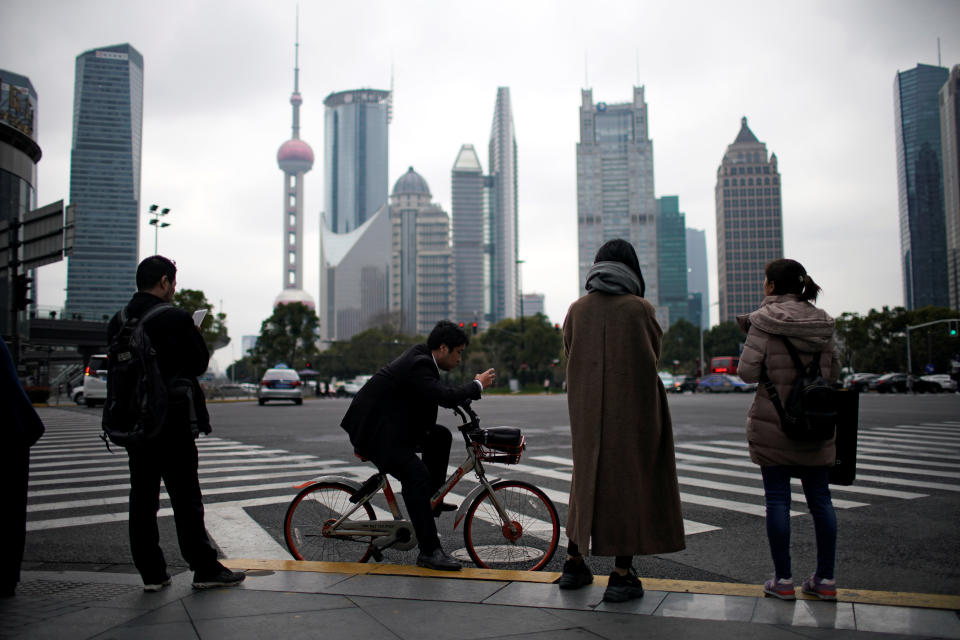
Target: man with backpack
(155,408)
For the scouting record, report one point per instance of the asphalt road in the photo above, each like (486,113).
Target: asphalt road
(898,523)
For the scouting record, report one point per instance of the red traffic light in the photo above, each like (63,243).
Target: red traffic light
(461,325)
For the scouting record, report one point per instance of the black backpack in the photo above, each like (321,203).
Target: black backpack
(137,398)
(810,412)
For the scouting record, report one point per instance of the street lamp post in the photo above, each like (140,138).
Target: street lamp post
(157,213)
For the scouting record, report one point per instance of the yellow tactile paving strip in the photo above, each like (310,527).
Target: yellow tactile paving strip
(858,596)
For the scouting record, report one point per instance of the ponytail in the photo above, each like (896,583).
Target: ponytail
(810,289)
(789,277)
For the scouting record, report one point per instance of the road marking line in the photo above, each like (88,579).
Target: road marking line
(874,491)
(240,536)
(869,478)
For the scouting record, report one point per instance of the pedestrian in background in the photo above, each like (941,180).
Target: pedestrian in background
(788,310)
(624,498)
(22,428)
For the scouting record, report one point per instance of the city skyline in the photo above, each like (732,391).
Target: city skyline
(211,157)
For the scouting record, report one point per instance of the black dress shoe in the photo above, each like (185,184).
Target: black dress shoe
(438,560)
(443,506)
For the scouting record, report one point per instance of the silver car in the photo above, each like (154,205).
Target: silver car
(280,384)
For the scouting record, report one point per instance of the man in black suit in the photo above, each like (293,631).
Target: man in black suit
(394,415)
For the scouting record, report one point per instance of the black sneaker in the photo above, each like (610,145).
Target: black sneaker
(623,588)
(575,574)
(219,576)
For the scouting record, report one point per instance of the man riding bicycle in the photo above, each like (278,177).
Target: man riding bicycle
(394,416)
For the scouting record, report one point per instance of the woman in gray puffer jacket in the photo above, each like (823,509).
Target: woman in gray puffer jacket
(787,310)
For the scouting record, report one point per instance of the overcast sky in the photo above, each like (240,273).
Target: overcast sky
(815,80)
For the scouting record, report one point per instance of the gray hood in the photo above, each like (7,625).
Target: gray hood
(810,329)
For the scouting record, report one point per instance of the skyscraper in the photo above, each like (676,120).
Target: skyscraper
(923,246)
(295,158)
(697,274)
(672,259)
(105,180)
(468,211)
(615,185)
(422,282)
(749,222)
(19,155)
(950,146)
(502,220)
(355,156)
(354,271)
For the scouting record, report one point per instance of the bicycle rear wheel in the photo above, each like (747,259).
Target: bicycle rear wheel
(313,510)
(526,543)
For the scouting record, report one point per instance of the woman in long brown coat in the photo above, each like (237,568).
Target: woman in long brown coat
(787,311)
(624,499)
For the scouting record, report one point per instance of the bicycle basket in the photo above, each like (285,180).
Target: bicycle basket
(499,445)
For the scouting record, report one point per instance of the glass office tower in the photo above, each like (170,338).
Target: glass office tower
(672,259)
(615,185)
(467,191)
(920,187)
(950,145)
(749,222)
(697,276)
(355,157)
(105,181)
(502,220)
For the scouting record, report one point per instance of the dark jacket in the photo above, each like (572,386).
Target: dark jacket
(181,351)
(400,401)
(17,410)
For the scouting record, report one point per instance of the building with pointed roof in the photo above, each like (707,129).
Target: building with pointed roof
(749,222)
(502,245)
(422,281)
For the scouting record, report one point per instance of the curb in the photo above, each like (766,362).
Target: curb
(856,596)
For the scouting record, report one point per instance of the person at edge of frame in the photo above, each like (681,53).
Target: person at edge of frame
(22,428)
(394,415)
(172,456)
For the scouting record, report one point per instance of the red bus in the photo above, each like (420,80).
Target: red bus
(724,364)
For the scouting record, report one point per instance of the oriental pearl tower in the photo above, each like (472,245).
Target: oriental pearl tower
(295,158)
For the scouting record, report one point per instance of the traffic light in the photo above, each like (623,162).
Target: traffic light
(461,325)
(953,328)
(474,328)
(556,327)
(21,284)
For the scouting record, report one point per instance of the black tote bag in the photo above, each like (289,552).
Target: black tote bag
(848,419)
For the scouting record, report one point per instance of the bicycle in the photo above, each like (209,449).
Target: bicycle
(507,524)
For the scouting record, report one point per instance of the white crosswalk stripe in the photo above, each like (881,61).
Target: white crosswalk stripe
(74,481)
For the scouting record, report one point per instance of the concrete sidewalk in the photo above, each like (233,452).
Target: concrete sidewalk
(283,600)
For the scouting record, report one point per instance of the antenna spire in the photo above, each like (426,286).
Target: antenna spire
(295,98)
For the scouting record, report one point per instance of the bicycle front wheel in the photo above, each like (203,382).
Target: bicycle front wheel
(309,516)
(526,542)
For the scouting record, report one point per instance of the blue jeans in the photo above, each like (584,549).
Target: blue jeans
(776,486)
